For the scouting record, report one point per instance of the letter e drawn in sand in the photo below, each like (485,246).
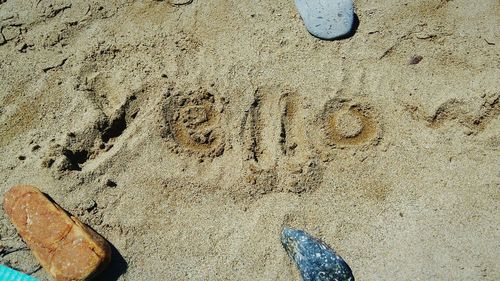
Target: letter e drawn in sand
(192,121)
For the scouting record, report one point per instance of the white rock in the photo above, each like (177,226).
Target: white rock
(327,19)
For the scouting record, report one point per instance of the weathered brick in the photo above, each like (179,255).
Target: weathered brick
(65,247)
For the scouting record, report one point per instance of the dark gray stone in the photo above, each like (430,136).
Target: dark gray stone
(315,260)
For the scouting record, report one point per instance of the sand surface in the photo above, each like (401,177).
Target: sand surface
(189,135)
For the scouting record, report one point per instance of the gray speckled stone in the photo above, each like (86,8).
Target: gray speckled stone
(315,260)
(327,19)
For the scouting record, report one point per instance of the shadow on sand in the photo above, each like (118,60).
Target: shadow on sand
(116,267)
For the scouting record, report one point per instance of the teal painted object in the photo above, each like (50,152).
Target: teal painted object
(9,274)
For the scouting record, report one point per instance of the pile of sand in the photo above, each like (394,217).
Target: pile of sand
(189,135)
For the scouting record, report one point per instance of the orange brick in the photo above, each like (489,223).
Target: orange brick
(65,247)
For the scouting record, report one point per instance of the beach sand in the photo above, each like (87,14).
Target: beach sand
(190,135)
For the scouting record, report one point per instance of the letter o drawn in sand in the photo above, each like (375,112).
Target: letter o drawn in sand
(348,124)
(193,121)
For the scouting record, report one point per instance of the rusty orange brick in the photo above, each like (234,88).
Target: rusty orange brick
(66,248)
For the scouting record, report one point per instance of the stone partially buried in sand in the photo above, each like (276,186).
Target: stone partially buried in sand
(65,247)
(314,259)
(327,19)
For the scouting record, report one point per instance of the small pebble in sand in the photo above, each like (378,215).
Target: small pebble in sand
(327,19)
(348,125)
(110,183)
(416,59)
(21,157)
